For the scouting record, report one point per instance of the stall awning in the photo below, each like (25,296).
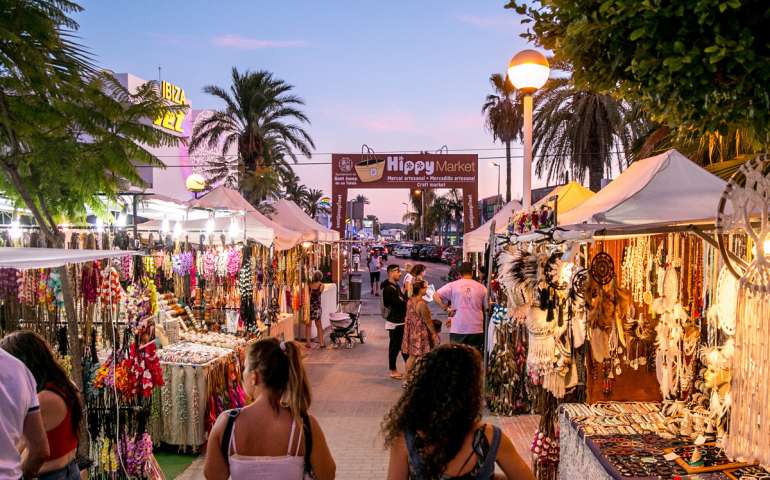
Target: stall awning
(254,230)
(28,258)
(665,189)
(289,213)
(476,240)
(570,196)
(223,198)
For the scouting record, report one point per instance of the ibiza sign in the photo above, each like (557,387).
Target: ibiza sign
(172,120)
(412,171)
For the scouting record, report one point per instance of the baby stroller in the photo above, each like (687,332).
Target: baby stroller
(345,324)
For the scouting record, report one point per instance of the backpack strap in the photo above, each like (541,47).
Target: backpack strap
(225,445)
(307,430)
(487,469)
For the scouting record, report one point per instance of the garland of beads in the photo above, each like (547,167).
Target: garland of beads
(194,407)
(182,413)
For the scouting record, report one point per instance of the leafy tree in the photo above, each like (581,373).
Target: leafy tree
(577,131)
(257,122)
(67,132)
(699,65)
(504,118)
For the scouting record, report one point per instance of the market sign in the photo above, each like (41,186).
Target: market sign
(413,171)
(172,120)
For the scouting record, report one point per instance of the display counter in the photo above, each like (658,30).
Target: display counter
(328,306)
(621,441)
(201,381)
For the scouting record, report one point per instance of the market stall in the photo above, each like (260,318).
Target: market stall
(475,241)
(116,332)
(645,311)
(289,213)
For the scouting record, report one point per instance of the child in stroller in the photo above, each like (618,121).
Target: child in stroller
(345,324)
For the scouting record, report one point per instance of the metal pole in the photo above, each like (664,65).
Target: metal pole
(487,315)
(527,173)
(422,215)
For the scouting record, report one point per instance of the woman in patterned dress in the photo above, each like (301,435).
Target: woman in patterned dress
(419,332)
(316,289)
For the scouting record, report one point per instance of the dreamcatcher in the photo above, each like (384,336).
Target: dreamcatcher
(747,192)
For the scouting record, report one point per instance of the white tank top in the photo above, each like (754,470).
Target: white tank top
(287,467)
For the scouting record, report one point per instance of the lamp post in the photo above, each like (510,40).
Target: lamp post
(528,70)
(422,212)
(498,178)
(406,213)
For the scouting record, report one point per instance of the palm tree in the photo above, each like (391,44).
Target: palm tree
(579,132)
(312,206)
(504,118)
(294,190)
(257,121)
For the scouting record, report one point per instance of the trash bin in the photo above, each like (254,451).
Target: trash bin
(354,286)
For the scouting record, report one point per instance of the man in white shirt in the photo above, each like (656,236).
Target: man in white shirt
(467,299)
(21,425)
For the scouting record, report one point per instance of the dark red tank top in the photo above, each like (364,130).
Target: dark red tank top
(62,438)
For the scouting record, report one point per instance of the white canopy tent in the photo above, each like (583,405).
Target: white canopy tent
(27,258)
(248,228)
(289,213)
(474,241)
(223,198)
(667,189)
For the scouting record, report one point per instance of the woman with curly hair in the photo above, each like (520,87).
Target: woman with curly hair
(420,335)
(435,430)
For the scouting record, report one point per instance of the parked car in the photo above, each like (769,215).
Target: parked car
(416,249)
(391,248)
(404,250)
(379,250)
(431,253)
(452,255)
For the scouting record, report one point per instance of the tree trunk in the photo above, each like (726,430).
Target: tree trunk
(595,172)
(507,172)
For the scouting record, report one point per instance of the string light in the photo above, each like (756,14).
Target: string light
(165,226)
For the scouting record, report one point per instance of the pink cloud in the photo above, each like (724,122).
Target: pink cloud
(248,43)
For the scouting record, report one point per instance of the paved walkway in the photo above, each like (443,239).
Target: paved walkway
(352,393)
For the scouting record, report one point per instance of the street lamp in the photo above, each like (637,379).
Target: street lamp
(422,212)
(528,70)
(498,177)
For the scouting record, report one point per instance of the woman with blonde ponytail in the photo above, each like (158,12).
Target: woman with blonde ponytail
(274,436)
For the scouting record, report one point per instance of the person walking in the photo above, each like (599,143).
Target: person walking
(316,288)
(375,265)
(417,273)
(273,436)
(420,335)
(60,404)
(435,429)
(394,311)
(467,299)
(21,424)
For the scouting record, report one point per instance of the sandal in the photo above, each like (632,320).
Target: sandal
(396,376)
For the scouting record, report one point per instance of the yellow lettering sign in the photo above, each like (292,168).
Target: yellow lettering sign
(172,120)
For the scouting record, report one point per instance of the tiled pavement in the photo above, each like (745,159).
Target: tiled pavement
(351,393)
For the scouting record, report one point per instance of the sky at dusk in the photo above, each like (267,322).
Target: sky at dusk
(397,76)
